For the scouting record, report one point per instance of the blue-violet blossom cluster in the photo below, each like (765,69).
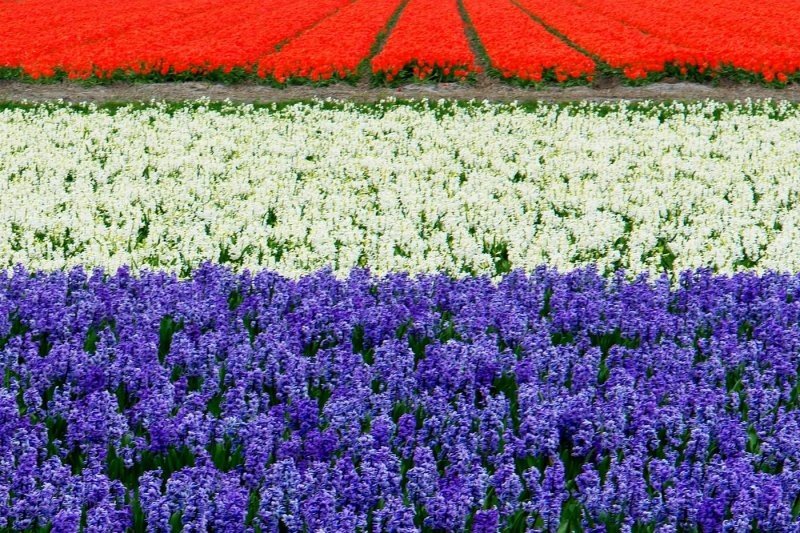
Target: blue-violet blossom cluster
(254,402)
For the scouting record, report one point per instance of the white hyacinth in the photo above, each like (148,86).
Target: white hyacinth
(419,188)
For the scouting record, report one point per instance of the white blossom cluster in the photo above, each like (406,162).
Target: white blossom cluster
(462,189)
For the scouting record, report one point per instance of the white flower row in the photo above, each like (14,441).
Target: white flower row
(398,187)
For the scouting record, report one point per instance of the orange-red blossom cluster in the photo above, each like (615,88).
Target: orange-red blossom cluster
(519,47)
(323,39)
(429,38)
(334,47)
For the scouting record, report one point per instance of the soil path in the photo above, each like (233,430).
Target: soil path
(484,89)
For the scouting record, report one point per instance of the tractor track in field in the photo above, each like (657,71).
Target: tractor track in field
(483,89)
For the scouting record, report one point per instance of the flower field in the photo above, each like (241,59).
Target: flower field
(463,189)
(396,404)
(290,41)
(404,316)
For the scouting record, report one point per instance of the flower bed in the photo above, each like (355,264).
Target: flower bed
(334,48)
(427,41)
(518,47)
(234,369)
(290,41)
(229,401)
(415,188)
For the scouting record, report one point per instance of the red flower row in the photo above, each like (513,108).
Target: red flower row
(429,37)
(334,47)
(759,37)
(519,47)
(619,45)
(198,36)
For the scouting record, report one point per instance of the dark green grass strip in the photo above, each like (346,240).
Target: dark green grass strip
(775,110)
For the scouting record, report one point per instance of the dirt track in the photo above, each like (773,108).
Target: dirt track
(483,89)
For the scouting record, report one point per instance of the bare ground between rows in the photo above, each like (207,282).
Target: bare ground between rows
(483,89)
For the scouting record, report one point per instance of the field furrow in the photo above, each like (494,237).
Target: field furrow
(724,43)
(335,47)
(429,39)
(619,45)
(519,47)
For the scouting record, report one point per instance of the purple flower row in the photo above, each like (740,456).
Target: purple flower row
(258,403)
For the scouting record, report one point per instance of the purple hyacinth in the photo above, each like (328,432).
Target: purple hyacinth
(231,402)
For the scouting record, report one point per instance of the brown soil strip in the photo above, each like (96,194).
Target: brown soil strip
(483,89)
